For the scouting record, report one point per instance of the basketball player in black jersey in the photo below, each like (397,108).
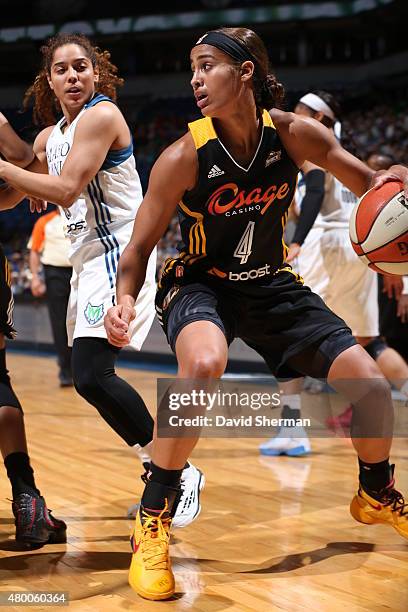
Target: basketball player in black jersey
(34,523)
(233,176)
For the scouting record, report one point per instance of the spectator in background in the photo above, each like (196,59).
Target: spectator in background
(167,246)
(20,273)
(49,249)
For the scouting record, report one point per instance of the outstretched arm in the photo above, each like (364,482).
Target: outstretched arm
(174,173)
(311,204)
(95,133)
(15,150)
(307,139)
(12,145)
(37,285)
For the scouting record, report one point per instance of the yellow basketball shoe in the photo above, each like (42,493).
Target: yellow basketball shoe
(150,573)
(388,507)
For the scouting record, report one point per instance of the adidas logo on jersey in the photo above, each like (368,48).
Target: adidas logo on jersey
(215,171)
(273,157)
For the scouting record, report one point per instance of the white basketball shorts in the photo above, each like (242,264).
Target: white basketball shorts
(95,260)
(331,268)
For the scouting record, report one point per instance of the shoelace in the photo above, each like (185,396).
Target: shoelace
(184,498)
(155,539)
(396,499)
(22,505)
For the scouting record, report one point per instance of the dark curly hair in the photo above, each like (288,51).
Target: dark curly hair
(46,106)
(268,91)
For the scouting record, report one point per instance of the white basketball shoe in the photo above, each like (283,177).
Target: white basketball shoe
(189,507)
(290,441)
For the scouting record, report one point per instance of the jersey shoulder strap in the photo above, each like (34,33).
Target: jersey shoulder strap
(267,119)
(98,98)
(202,131)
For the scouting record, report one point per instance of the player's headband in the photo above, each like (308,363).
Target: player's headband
(228,45)
(317,104)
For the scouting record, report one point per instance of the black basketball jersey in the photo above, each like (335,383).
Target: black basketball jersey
(232,222)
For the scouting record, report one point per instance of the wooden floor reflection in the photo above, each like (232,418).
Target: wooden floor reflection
(274,533)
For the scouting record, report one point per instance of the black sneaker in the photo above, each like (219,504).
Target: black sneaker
(35,523)
(65,379)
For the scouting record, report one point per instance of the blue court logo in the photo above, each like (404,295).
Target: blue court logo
(93,314)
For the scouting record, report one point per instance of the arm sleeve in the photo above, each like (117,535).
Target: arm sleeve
(311,204)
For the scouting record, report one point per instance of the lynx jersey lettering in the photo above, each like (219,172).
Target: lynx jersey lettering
(232,222)
(111,198)
(337,205)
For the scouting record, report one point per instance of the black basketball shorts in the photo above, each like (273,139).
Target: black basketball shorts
(6,298)
(281,319)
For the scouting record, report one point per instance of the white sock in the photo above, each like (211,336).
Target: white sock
(144,452)
(404,388)
(293,401)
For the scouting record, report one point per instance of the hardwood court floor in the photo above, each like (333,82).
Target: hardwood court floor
(274,534)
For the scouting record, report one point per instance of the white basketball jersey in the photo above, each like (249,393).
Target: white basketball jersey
(111,198)
(337,205)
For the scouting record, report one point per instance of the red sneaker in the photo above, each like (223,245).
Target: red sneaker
(341,421)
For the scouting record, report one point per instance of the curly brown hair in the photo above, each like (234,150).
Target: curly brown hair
(46,107)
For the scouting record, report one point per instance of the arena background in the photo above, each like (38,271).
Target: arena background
(357,49)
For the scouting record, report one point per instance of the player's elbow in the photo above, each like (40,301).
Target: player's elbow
(20,160)
(138,251)
(9,200)
(21,157)
(7,205)
(68,195)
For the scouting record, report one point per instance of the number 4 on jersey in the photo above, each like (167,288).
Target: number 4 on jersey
(244,247)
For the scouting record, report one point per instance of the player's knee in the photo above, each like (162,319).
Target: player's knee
(86,383)
(204,365)
(375,347)
(380,388)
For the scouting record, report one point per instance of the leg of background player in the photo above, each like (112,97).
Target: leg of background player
(391,364)
(121,406)
(34,523)
(291,441)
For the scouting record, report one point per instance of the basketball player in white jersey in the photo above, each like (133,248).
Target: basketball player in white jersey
(85,164)
(321,251)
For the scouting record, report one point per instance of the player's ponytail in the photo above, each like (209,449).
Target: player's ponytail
(270,93)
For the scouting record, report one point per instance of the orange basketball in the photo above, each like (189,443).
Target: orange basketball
(379,229)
